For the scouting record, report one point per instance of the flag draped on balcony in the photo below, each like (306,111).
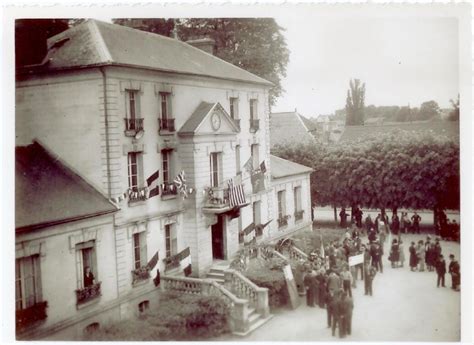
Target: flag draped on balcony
(259,228)
(153,261)
(236,194)
(152,183)
(180,182)
(263,167)
(249,165)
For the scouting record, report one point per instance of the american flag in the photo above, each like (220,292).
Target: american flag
(180,182)
(236,194)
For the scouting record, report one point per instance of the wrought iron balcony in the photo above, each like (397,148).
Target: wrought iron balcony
(299,215)
(217,198)
(283,221)
(88,293)
(168,189)
(28,316)
(166,125)
(140,274)
(137,194)
(133,126)
(237,123)
(254,125)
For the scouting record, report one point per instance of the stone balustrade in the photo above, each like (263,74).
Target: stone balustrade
(242,287)
(296,253)
(239,308)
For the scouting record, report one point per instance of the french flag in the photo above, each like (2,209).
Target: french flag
(152,183)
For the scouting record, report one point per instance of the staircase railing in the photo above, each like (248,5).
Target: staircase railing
(242,287)
(296,253)
(239,308)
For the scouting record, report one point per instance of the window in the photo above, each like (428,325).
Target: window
(297,195)
(253,109)
(92,328)
(139,249)
(281,204)
(171,240)
(132,104)
(133,170)
(143,306)
(237,160)
(166,156)
(27,282)
(164,105)
(234,107)
(86,264)
(255,156)
(215,162)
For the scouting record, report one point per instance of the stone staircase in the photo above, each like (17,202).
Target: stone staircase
(221,274)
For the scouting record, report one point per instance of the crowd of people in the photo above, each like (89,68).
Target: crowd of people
(328,277)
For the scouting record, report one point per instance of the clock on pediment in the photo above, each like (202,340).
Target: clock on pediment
(215,120)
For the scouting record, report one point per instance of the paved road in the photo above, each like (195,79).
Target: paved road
(406,306)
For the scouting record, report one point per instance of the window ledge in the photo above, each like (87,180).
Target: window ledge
(88,303)
(140,282)
(166,132)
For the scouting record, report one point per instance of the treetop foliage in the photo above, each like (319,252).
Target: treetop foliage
(391,170)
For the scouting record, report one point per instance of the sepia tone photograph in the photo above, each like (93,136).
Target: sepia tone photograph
(292,174)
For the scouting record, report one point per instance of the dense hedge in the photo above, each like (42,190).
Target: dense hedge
(178,317)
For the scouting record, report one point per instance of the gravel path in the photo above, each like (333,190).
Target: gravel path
(406,306)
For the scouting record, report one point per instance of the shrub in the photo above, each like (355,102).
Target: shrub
(269,274)
(178,317)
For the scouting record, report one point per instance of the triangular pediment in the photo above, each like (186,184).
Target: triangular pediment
(209,119)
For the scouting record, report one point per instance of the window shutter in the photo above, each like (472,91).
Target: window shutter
(37,270)
(143,253)
(174,240)
(236,109)
(29,279)
(138,112)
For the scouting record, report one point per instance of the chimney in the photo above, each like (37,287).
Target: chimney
(205,44)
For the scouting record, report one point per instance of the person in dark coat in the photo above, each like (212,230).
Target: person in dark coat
(413,257)
(89,278)
(315,288)
(394,253)
(416,223)
(368,279)
(376,252)
(395,224)
(369,223)
(358,217)
(308,281)
(441,270)
(322,288)
(347,306)
(336,314)
(330,303)
(372,235)
(343,214)
(455,271)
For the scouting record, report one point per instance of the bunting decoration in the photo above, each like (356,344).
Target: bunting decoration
(236,194)
(263,167)
(180,182)
(152,183)
(153,261)
(248,165)
(117,200)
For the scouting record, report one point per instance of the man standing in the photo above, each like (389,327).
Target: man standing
(343,216)
(89,278)
(347,305)
(336,313)
(440,270)
(368,279)
(368,223)
(307,281)
(346,280)
(455,271)
(334,283)
(416,223)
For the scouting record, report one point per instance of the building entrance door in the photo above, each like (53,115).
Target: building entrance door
(218,239)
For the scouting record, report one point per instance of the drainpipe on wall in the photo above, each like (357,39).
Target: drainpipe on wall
(109,186)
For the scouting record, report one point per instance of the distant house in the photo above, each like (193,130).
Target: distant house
(355,133)
(291,127)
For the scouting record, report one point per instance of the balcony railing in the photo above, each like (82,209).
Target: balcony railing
(168,189)
(137,194)
(283,221)
(299,215)
(133,125)
(217,197)
(166,125)
(237,123)
(140,274)
(88,293)
(25,317)
(254,125)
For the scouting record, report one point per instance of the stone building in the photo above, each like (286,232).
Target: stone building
(126,110)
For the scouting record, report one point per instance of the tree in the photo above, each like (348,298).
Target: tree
(454,114)
(254,44)
(429,110)
(355,103)
(391,170)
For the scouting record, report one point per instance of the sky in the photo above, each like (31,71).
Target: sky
(401,60)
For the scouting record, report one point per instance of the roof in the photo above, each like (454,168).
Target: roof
(95,43)
(281,167)
(354,133)
(48,193)
(291,127)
